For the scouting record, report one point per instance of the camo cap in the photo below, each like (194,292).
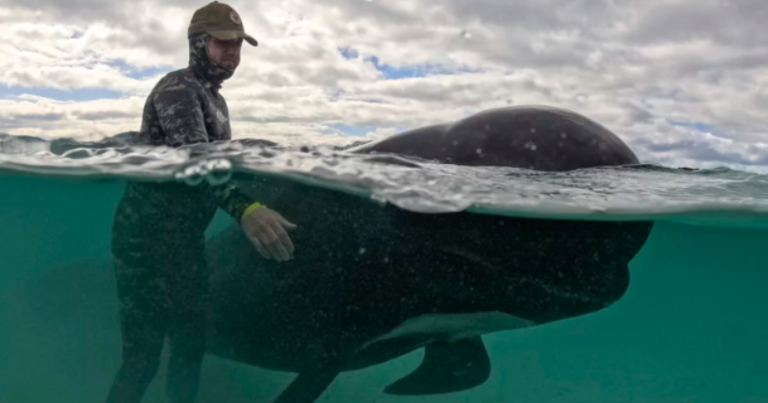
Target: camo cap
(220,21)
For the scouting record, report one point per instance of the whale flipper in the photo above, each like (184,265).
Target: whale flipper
(448,367)
(309,385)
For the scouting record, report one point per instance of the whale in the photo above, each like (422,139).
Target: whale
(371,282)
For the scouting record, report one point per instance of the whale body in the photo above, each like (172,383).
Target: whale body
(370,283)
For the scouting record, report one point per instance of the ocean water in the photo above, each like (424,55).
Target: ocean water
(691,328)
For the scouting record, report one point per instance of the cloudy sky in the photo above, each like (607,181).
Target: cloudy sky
(682,81)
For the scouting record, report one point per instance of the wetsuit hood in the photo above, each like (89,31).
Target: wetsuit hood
(202,65)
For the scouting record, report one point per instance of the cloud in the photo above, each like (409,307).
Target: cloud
(682,81)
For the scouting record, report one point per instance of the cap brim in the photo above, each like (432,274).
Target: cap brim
(229,35)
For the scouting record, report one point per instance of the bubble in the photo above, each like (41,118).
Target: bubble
(192,175)
(219,171)
(362,251)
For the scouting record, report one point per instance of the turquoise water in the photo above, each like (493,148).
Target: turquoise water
(691,328)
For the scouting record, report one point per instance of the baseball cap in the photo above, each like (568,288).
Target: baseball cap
(220,21)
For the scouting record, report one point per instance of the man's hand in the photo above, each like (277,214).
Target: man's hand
(266,229)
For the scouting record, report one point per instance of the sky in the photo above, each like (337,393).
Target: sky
(683,82)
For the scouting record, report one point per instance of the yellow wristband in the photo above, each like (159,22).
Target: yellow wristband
(253,207)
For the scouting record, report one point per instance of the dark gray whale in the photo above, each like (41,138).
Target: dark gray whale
(370,283)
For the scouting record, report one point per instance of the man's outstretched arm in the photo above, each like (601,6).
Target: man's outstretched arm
(180,112)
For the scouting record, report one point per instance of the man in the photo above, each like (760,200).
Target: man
(158,231)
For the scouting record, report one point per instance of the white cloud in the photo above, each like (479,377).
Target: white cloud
(632,66)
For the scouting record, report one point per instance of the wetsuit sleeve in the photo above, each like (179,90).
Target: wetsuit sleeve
(180,113)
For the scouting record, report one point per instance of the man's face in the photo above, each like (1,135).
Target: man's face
(225,53)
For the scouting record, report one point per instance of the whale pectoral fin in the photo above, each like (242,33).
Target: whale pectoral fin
(310,385)
(448,367)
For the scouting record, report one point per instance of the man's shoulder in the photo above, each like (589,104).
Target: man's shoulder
(183,78)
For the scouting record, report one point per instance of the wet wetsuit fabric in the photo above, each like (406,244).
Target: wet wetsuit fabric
(158,237)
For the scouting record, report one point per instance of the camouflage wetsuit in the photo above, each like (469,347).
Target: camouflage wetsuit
(158,236)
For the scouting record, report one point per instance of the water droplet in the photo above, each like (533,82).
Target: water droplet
(465,34)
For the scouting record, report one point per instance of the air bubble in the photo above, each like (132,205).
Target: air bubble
(192,175)
(219,172)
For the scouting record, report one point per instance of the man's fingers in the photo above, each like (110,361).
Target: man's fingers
(260,247)
(273,244)
(283,237)
(286,223)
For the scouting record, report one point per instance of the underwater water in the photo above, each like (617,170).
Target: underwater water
(691,328)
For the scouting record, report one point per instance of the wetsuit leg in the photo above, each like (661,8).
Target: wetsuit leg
(188,294)
(143,319)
